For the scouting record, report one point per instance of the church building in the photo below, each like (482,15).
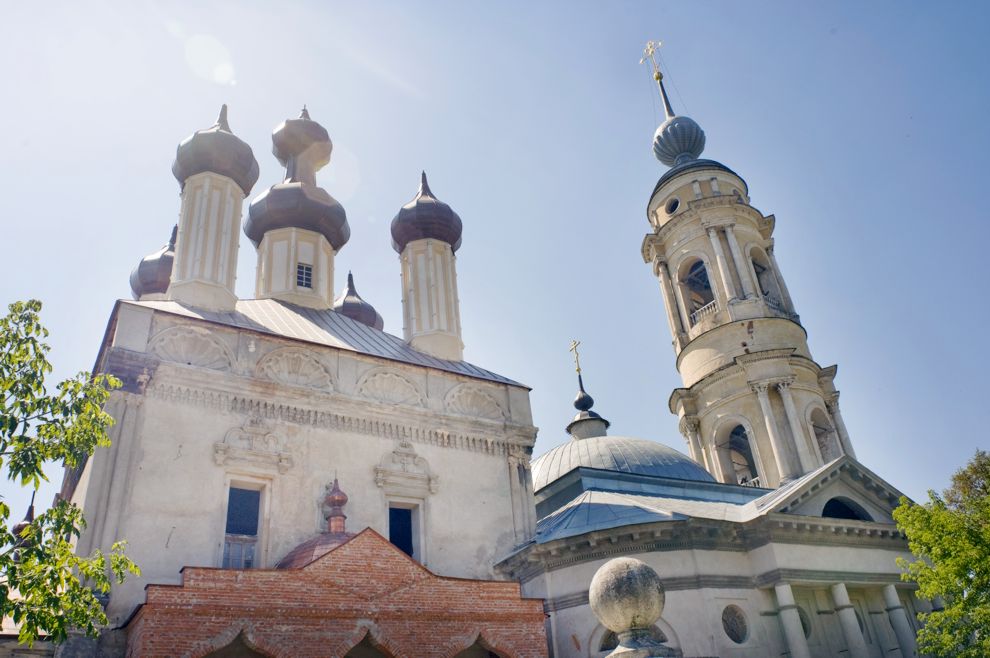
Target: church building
(294,481)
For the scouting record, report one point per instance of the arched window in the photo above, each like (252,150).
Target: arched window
(741,455)
(825,436)
(767,280)
(843,508)
(696,289)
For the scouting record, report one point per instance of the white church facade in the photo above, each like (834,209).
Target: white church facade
(241,424)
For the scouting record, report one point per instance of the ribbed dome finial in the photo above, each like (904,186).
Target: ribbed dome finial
(679,139)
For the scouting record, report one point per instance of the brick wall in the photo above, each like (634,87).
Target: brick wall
(365,586)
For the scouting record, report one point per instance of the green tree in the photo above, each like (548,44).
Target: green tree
(44,586)
(950,537)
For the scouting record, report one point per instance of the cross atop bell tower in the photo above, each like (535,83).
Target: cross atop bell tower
(755,407)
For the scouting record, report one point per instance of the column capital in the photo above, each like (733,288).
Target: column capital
(783,384)
(689,426)
(760,388)
(832,402)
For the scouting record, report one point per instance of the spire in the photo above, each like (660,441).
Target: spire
(424,186)
(586,423)
(650,52)
(222,119)
(679,139)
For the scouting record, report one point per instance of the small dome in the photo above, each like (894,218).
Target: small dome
(303,147)
(350,304)
(153,274)
(678,140)
(621,454)
(626,594)
(218,150)
(426,217)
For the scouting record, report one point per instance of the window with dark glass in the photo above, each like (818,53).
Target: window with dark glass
(240,543)
(304,275)
(400,529)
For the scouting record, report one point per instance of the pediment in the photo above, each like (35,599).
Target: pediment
(843,486)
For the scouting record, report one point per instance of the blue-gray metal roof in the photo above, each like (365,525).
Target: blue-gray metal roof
(616,453)
(323,327)
(600,510)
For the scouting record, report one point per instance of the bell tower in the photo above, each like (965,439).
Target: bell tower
(755,407)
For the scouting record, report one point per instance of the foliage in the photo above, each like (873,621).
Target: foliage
(950,536)
(44,586)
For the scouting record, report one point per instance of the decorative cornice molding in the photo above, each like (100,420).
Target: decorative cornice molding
(248,405)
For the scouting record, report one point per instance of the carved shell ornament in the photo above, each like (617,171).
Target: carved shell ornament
(471,401)
(295,368)
(391,388)
(191,346)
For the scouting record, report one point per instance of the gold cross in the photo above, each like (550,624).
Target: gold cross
(650,52)
(577,357)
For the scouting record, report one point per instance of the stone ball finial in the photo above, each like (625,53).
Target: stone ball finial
(626,594)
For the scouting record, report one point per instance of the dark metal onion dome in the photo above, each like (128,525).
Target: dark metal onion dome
(426,217)
(303,147)
(679,139)
(153,273)
(583,403)
(350,304)
(217,150)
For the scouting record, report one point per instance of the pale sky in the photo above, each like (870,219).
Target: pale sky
(861,126)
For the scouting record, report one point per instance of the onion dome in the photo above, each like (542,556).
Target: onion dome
(153,273)
(426,217)
(587,422)
(23,525)
(619,454)
(323,543)
(216,149)
(303,147)
(350,304)
(679,139)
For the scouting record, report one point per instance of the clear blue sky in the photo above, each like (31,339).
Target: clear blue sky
(862,126)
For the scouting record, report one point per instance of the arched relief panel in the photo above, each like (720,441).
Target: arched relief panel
(471,400)
(294,367)
(192,346)
(390,387)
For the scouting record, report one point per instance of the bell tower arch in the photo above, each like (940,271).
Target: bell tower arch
(755,408)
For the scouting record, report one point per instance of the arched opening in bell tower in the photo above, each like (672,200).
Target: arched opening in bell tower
(696,290)
(736,456)
(825,435)
(766,278)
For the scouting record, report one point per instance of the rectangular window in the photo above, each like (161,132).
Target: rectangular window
(400,529)
(241,540)
(696,187)
(304,275)
(714,182)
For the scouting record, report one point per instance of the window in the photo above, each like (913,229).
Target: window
(734,624)
(741,455)
(696,188)
(843,508)
(304,275)
(240,543)
(673,205)
(715,190)
(697,291)
(400,529)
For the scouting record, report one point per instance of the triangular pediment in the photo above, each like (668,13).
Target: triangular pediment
(344,565)
(841,489)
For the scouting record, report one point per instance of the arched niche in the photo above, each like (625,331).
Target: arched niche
(695,287)
(368,648)
(239,647)
(841,507)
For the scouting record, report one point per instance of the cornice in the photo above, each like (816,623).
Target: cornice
(353,416)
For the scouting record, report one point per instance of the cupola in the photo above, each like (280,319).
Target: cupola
(426,233)
(151,277)
(215,170)
(353,306)
(297,227)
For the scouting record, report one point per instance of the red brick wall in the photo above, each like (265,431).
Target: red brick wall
(325,608)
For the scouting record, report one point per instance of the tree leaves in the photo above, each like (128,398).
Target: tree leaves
(44,586)
(950,536)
